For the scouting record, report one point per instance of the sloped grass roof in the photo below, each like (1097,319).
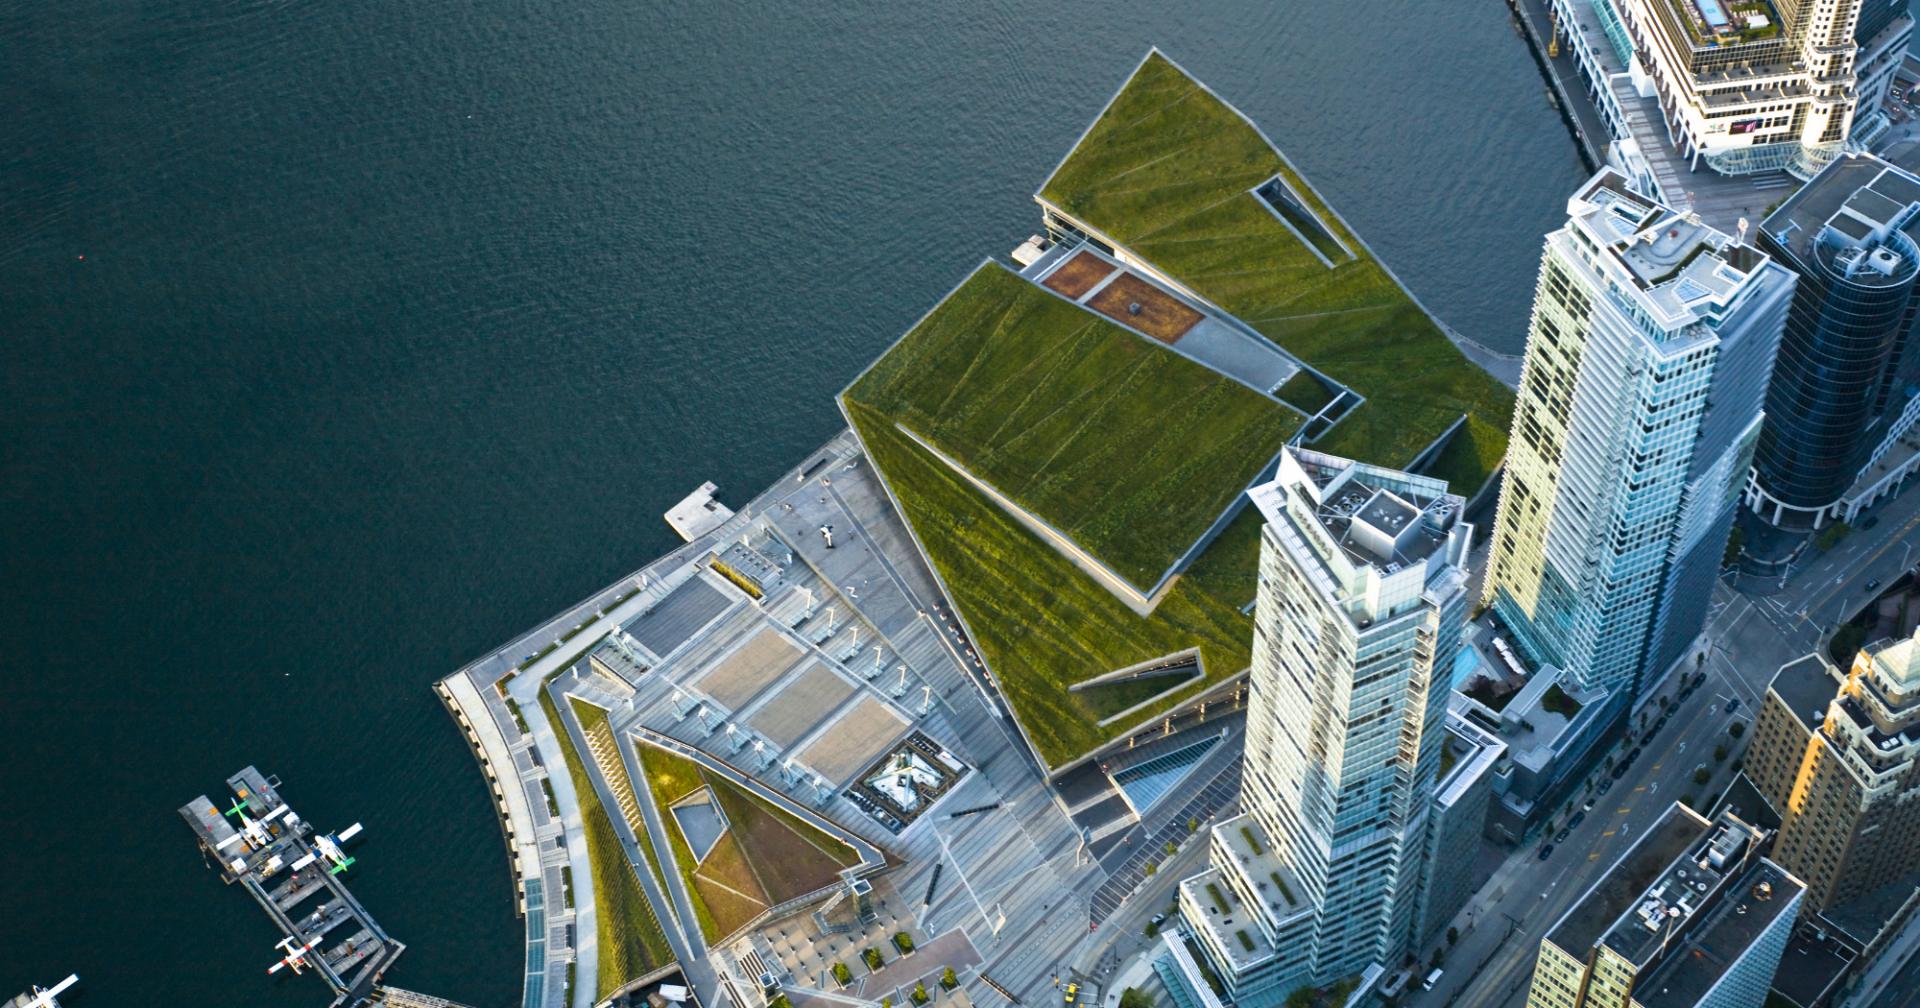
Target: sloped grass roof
(1126,447)
(1042,624)
(1167,172)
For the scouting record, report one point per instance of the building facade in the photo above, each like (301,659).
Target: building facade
(1882,32)
(1640,400)
(1754,87)
(1838,757)
(1461,799)
(1845,377)
(1691,916)
(1361,602)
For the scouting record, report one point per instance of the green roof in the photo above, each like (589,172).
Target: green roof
(1125,447)
(1042,624)
(1167,172)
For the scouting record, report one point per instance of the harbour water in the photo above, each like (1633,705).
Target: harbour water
(345,340)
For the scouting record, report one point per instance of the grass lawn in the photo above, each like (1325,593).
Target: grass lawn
(788,860)
(1128,448)
(766,856)
(670,778)
(1167,171)
(630,940)
(729,886)
(1039,621)
(1462,460)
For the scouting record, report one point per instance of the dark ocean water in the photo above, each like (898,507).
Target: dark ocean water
(345,340)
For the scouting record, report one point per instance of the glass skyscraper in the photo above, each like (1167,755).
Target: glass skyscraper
(1640,401)
(1362,599)
(1844,375)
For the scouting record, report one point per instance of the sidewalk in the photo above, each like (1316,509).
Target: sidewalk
(586,933)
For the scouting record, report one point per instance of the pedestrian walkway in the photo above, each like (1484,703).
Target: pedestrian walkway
(535,838)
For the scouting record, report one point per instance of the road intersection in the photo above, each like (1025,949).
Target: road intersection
(1747,638)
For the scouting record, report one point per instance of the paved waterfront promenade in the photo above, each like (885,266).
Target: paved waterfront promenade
(1012,899)
(536,847)
(517,764)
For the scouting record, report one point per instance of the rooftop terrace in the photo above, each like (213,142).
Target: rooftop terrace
(1169,172)
(1807,686)
(1684,904)
(1683,269)
(1753,901)
(1714,24)
(1469,753)
(1378,518)
(1621,888)
(1859,214)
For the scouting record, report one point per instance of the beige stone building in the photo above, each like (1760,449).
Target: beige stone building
(1691,916)
(1839,759)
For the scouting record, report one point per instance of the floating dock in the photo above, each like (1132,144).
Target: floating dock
(42,997)
(293,873)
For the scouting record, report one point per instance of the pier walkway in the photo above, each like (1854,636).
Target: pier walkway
(283,864)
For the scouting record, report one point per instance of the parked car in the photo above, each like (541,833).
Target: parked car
(1607,785)
(1561,837)
(1578,817)
(1588,807)
(1873,584)
(1546,852)
(1732,705)
(1871,521)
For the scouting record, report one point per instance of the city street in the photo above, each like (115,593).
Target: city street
(1749,639)
(1494,959)
(1824,590)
